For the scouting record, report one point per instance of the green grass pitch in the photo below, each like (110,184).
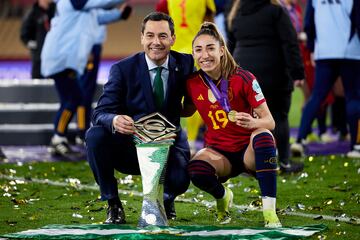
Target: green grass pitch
(329,187)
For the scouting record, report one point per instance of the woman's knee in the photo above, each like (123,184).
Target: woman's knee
(199,171)
(260,131)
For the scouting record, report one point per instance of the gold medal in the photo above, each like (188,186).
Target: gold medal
(231,116)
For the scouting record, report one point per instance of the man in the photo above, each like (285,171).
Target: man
(128,96)
(64,56)
(333,30)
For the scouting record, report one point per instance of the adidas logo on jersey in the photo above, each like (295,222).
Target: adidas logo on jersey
(200,98)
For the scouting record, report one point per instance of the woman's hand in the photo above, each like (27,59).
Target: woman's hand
(245,120)
(260,118)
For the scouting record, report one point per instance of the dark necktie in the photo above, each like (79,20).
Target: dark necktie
(158,88)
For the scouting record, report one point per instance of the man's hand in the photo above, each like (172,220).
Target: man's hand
(123,124)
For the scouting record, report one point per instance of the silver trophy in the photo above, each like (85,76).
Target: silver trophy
(154,135)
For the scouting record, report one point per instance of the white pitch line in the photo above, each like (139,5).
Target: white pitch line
(351,220)
(64,184)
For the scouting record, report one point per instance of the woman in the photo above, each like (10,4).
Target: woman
(263,41)
(228,98)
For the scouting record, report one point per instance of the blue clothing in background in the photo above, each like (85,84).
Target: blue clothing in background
(72,35)
(333,30)
(338,37)
(67,46)
(88,80)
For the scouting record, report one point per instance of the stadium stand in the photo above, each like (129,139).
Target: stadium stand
(27,110)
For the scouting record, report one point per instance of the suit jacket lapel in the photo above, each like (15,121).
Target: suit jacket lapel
(173,69)
(146,82)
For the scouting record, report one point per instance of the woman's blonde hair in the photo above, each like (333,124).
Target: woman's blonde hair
(227,62)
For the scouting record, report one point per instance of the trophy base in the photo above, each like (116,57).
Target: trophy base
(152,213)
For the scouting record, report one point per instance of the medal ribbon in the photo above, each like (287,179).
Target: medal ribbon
(220,95)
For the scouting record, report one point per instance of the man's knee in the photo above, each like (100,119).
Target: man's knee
(177,177)
(96,135)
(178,180)
(180,185)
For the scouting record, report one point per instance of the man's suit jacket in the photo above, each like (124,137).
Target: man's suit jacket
(129,90)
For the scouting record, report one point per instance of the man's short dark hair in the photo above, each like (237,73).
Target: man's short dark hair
(158,16)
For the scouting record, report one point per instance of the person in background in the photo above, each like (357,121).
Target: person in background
(338,112)
(219,19)
(161,6)
(88,80)
(2,156)
(34,28)
(264,42)
(295,13)
(333,31)
(235,140)
(144,83)
(64,56)
(188,17)
(333,101)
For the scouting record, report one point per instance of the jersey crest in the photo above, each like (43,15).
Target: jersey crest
(211,96)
